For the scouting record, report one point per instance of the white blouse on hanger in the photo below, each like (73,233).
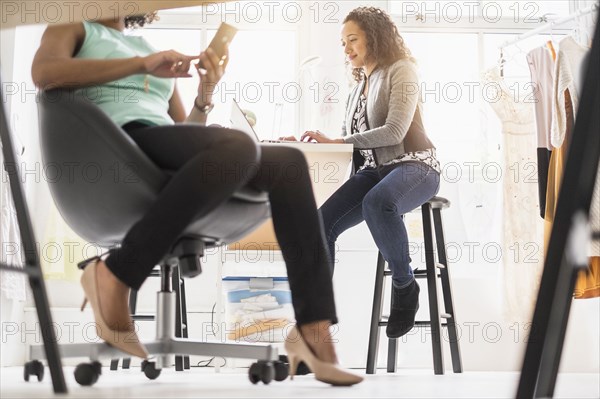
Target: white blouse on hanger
(541,66)
(567,76)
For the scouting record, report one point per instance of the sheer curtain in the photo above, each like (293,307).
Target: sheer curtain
(12,285)
(59,248)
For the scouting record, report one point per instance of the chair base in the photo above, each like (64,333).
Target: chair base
(166,345)
(165,348)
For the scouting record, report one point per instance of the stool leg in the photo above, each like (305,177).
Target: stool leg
(434,313)
(392,355)
(184,319)
(176,282)
(376,316)
(447,292)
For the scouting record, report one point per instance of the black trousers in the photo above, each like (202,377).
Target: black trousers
(209,165)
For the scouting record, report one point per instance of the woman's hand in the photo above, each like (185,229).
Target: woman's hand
(287,138)
(319,137)
(168,64)
(211,72)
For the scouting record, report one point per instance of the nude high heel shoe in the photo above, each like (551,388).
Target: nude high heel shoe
(125,340)
(329,373)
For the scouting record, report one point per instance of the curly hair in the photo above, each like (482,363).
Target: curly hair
(138,21)
(384,43)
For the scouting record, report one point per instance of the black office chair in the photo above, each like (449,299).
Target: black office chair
(103,184)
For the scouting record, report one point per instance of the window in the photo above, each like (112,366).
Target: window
(262,80)
(455,42)
(525,10)
(449,92)
(267,88)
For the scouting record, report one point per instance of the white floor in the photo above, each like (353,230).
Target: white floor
(233,383)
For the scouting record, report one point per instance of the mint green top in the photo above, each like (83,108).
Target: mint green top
(125,100)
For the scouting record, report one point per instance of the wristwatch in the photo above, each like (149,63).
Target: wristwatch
(205,109)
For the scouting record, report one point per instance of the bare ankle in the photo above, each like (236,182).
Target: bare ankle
(113,301)
(318,338)
(113,282)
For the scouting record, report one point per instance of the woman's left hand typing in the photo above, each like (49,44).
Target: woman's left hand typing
(319,138)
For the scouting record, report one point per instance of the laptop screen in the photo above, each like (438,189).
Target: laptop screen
(240,122)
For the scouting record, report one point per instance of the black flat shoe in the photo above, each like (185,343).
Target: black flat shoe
(405,303)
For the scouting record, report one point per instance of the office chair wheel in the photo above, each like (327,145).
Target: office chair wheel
(87,374)
(261,371)
(150,370)
(282,370)
(34,367)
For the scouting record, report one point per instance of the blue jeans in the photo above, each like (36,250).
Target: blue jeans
(381,197)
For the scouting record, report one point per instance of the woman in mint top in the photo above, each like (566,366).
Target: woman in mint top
(135,86)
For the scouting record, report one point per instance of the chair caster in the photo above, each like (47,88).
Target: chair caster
(261,371)
(87,374)
(282,370)
(150,370)
(34,367)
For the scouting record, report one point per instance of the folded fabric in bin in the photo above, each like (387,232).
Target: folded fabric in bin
(250,307)
(257,308)
(279,313)
(257,328)
(260,299)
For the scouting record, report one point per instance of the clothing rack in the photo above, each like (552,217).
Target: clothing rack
(577,14)
(566,253)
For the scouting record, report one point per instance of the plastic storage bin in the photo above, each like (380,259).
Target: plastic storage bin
(257,309)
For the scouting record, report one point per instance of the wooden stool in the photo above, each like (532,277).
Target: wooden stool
(433,271)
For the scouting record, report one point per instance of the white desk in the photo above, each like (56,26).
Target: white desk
(329,166)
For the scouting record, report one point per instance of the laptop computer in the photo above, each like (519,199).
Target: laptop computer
(240,122)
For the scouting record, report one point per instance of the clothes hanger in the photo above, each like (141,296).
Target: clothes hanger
(545,16)
(501,62)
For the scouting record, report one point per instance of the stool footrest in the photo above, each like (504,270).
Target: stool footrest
(421,276)
(143,317)
(383,323)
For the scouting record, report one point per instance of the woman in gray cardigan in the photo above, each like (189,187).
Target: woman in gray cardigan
(397,167)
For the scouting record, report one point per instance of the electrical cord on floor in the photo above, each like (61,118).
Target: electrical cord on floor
(207,363)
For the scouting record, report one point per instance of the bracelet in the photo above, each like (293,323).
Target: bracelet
(205,109)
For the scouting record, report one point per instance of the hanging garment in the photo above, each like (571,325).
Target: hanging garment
(523,230)
(568,79)
(568,76)
(588,281)
(541,66)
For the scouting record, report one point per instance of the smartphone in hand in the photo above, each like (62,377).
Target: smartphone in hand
(223,37)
